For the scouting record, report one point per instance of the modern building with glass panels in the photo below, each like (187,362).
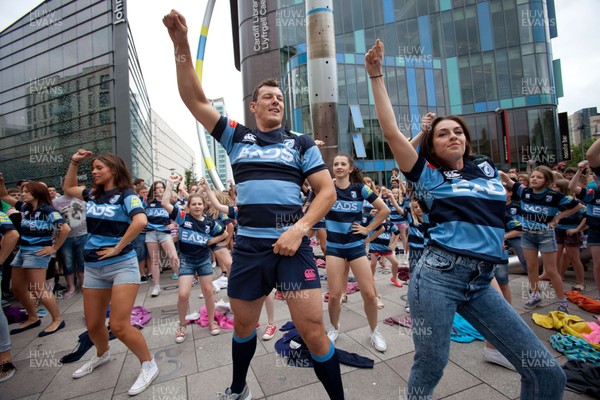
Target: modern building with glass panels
(488,61)
(171,153)
(70,79)
(216,151)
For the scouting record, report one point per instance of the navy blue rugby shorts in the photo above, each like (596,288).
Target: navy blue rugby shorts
(256,270)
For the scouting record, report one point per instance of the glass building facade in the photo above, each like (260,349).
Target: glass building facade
(488,61)
(70,79)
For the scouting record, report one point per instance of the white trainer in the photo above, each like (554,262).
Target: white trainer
(333,333)
(148,373)
(89,366)
(155,291)
(378,341)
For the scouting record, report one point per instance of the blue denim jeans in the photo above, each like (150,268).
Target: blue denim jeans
(444,283)
(515,243)
(71,254)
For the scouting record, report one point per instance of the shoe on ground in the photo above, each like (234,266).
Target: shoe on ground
(563,306)
(175,276)
(395,282)
(213,264)
(144,279)
(201,295)
(378,341)
(194,282)
(7,370)
(155,291)
(269,332)
(407,308)
(244,395)
(193,316)
(533,303)
(94,363)
(333,333)
(68,295)
(148,373)
(214,328)
(380,304)
(181,334)
(149,277)
(494,356)
(579,287)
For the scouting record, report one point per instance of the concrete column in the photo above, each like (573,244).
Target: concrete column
(322,75)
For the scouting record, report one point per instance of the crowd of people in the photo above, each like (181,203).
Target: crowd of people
(446,213)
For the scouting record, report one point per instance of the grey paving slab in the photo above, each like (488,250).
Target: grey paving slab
(215,351)
(32,397)
(360,384)
(104,377)
(469,356)
(206,384)
(397,342)
(349,320)
(455,379)
(276,376)
(62,341)
(478,392)
(174,389)
(30,378)
(100,395)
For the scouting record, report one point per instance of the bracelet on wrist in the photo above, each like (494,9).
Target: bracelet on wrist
(74,162)
(376,76)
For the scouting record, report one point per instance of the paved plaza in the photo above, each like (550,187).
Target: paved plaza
(201,366)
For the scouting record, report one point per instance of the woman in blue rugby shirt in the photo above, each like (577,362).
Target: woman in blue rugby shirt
(42,232)
(196,233)
(542,210)
(115,217)
(346,245)
(158,234)
(457,265)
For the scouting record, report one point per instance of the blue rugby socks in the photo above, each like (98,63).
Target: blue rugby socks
(327,369)
(242,351)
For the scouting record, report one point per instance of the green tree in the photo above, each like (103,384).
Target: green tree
(576,156)
(189,177)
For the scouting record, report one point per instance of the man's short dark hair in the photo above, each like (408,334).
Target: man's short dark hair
(265,82)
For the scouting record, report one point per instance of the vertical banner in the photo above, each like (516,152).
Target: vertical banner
(565,140)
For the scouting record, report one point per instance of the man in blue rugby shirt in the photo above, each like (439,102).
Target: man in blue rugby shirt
(271,248)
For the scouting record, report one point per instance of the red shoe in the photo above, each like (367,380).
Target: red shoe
(269,332)
(396,283)
(279,295)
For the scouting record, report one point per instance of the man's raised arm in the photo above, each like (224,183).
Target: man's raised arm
(190,90)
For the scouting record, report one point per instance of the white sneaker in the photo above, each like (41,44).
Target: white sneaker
(213,264)
(494,356)
(378,341)
(333,333)
(89,366)
(155,291)
(148,373)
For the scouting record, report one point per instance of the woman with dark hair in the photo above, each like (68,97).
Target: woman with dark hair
(465,202)
(115,217)
(346,245)
(158,234)
(42,232)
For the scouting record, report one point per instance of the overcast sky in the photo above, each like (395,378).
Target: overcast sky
(577,46)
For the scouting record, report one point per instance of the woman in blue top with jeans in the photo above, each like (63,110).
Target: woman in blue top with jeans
(457,266)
